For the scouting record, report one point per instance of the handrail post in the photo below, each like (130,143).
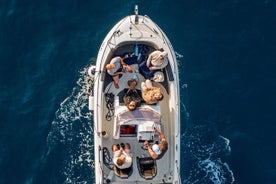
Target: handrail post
(136,14)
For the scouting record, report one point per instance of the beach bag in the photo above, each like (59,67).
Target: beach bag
(158,76)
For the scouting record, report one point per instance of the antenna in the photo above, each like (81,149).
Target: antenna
(136,14)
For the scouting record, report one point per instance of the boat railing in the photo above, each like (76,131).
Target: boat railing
(100,163)
(136,14)
(162,36)
(178,171)
(116,32)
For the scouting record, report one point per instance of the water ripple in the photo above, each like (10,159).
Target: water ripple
(72,130)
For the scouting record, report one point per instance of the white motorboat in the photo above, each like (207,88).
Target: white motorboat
(134,38)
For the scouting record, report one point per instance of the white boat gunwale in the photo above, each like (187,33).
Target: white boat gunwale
(108,48)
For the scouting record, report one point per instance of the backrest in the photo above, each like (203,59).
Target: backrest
(122,173)
(146,167)
(147,163)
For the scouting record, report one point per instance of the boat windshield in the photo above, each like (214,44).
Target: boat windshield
(143,118)
(139,114)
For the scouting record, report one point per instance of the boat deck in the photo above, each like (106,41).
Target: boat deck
(165,165)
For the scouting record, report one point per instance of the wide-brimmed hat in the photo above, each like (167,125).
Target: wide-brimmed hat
(156,149)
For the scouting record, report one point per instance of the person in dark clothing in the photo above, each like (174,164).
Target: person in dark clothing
(132,98)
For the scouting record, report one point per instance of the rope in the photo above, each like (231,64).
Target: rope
(109,100)
(107,160)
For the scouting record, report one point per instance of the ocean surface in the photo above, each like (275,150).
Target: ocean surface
(227,66)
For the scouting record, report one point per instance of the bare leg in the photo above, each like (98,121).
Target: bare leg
(143,86)
(128,68)
(127,146)
(148,83)
(116,81)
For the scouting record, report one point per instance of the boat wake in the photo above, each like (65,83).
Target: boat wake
(71,135)
(204,151)
(71,139)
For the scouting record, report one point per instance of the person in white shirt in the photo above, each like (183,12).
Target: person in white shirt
(157,60)
(122,156)
(117,67)
(157,151)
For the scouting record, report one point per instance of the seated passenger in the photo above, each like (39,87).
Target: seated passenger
(122,155)
(117,67)
(157,150)
(132,98)
(156,60)
(151,94)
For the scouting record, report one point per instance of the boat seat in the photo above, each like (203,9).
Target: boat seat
(123,173)
(147,167)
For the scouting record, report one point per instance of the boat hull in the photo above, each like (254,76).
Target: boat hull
(122,39)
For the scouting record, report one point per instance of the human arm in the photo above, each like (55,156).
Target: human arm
(131,92)
(125,66)
(115,66)
(162,136)
(152,89)
(148,60)
(151,152)
(121,154)
(117,73)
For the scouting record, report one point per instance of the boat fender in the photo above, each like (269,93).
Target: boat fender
(110,177)
(91,71)
(91,103)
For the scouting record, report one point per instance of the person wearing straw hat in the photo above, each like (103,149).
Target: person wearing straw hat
(157,150)
(132,97)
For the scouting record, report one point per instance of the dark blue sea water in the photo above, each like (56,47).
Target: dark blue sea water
(227,75)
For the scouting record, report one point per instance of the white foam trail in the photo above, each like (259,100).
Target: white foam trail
(73,129)
(178,56)
(204,151)
(214,170)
